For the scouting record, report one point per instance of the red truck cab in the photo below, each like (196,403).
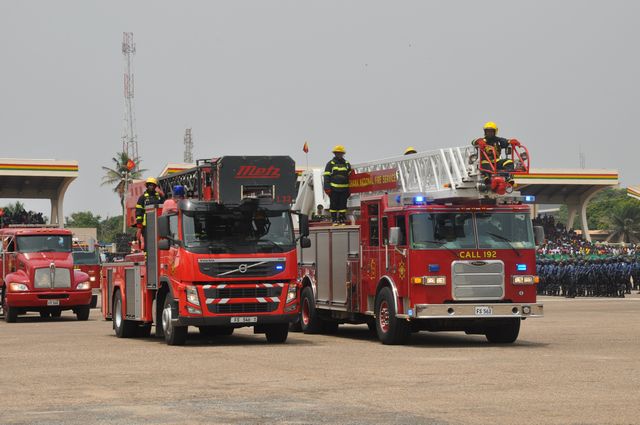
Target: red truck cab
(38,274)
(89,263)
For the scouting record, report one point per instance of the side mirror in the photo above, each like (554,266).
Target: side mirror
(163,244)
(303,224)
(394,236)
(305,242)
(163,226)
(538,233)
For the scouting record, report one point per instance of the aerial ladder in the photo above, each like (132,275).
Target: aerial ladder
(442,175)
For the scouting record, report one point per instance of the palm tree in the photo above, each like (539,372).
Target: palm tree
(122,177)
(625,223)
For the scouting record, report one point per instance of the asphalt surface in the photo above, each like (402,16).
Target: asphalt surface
(578,365)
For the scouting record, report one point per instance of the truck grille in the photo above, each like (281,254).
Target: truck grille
(477,280)
(243,308)
(61,278)
(241,267)
(231,292)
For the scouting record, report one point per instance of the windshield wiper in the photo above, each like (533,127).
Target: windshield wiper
(507,240)
(444,245)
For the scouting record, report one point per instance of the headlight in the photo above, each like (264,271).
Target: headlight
(83,286)
(18,287)
(524,280)
(192,295)
(291,293)
(92,279)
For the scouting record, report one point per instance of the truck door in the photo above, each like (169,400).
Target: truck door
(371,248)
(396,263)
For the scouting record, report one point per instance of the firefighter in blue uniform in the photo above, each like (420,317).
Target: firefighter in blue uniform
(336,185)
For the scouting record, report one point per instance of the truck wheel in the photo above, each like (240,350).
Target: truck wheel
(173,335)
(391,330)
(123,328)
(277,333)
(505,333)
(82,312)
(10,314)
(94,301)
(309,320)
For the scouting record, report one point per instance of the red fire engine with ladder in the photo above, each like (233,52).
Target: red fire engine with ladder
(438,241)
(226,258)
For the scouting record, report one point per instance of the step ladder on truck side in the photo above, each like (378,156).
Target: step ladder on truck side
(438,240)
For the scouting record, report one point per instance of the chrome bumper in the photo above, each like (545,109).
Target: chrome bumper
(468,311)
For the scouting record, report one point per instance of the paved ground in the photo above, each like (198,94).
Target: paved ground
(578,365)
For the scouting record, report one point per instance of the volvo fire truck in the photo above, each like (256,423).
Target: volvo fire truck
(438,241)
(38,274)
(226,258)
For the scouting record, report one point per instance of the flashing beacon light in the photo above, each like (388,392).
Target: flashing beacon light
(521,267)
(418,200)
(529,198)
(279,267)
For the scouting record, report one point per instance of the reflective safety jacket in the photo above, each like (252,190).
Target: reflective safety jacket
(336,174)
(146,199)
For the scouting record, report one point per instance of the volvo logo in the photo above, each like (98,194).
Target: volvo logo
(242,268)
(479,263)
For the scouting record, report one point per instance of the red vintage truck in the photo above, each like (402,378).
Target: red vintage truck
(437,242)
(226,258)
(38,274)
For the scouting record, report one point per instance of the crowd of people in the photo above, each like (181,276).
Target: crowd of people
(8,217)
(571,266)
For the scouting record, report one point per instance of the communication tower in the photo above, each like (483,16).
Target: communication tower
(188,146)
(129,136)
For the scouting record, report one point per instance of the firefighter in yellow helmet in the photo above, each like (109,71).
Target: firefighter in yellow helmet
(501,146)
(410,151)
(336,185)
(151,196)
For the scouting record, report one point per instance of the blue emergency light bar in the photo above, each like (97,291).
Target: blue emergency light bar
(521,267)
(280,267)
(529,198)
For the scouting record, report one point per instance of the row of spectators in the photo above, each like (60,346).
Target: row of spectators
(8,217)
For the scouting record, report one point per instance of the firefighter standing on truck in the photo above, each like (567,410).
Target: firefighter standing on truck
(336,185)
(495,146)
(149,197)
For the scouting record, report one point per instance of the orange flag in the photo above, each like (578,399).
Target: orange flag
(305,148)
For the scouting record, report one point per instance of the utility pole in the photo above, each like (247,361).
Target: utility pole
(188,146)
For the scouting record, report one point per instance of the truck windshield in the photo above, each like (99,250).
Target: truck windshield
(44,243)
(237,231)
(504,230)
(442,230)
(86,257)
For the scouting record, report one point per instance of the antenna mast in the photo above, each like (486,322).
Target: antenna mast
(129,136)
(188,146)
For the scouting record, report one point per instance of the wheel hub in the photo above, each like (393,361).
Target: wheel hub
(383,316)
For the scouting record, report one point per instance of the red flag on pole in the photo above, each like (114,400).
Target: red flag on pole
(131,165)
(305,148)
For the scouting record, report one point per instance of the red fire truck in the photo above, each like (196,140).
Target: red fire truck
(89,262)
(225,259)
(38,274)
(437,242)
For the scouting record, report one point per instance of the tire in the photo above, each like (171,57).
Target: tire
(309,320)
(173,335)
(277,333)
(216,330)
(10,314)
(56,313)
(122,327)
(506,333)
(390,329)
(82,312)
(44,314)
(94,301)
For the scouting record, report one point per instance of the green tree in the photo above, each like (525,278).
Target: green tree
(83,219)
(109,228)
(599,209)
(120,177)
(625,223)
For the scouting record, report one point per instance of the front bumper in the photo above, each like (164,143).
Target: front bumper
(40,299)
(468,311)
(226,320)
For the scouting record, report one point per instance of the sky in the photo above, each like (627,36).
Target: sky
(262,77)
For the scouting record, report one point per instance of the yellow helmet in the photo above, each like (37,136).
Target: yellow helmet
(410,150)
(338,149)
(151,180)
(490,126)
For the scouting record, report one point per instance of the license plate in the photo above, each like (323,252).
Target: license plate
(483,310)
(252,319)
(53,302)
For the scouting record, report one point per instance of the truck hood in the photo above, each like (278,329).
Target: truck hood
(44,259)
